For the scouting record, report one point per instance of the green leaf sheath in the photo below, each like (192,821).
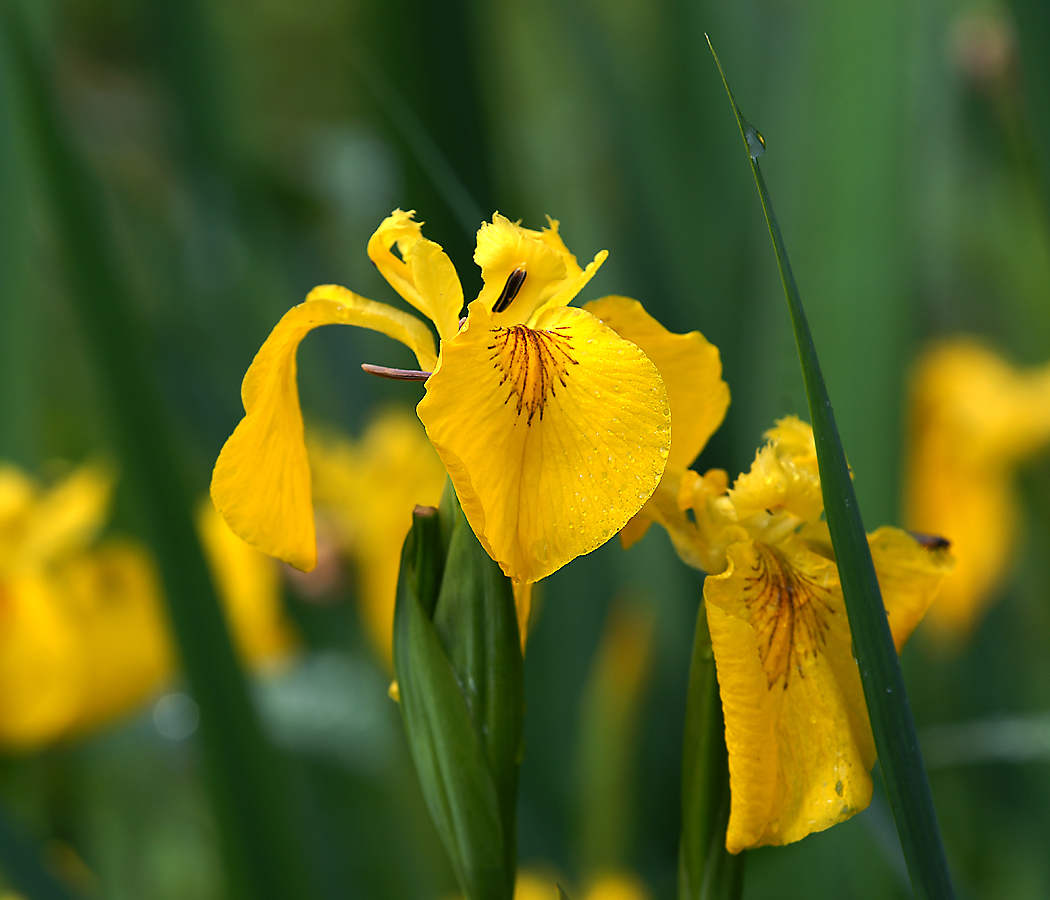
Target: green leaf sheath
(706,870)
(259,837)
(460,681)
(891,721)
(478,625)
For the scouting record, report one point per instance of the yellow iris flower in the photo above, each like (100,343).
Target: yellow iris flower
(83,636)
(974,418)
(797,730)
(554,428)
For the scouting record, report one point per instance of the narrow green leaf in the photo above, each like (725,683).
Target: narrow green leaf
(263,854)
(907,783)
(417,138)
(706,870)
(478,626)
(446,747)
(23,867)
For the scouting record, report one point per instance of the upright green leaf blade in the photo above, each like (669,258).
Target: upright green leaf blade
(263,855)
(896,740)
(706,870)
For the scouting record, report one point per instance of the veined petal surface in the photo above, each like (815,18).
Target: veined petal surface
(261,482)
(911,573)
(800,746)
(690,366)
(554,436)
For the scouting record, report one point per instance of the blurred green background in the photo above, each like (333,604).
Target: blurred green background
(246,150)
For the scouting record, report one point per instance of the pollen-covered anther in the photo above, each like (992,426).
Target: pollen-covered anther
(789,613)
(533,362)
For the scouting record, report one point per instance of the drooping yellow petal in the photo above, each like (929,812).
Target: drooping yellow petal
(261,482)
(784,476)
(250,586)
(552,275)
(423,275)
(689,365)
(911,572)
(800,746)
(554,436)
(973,419)
(367,490)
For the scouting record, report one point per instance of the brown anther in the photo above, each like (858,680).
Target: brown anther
(510,290)
(396,374)
(931,541)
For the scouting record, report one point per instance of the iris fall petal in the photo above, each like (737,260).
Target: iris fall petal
(553,435)
(261,482)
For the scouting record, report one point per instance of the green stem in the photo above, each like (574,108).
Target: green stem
(896,741)
(244,773)
(706,870)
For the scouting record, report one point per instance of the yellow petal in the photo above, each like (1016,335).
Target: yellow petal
(69,515)
(617,886)
(261,482)
(523,605)
(366,490)
(37,526)
(552,275)
(250,587)
(553,437)
(973,418)
(113,595)
(40,663)
(689,365)
(784,475)
(910,572)
(800,747)
(423,275)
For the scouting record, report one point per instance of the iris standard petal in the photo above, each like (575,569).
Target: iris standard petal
(424,275)
(261,482)
(800,747)
(554,436)
(690,366)
(552,277)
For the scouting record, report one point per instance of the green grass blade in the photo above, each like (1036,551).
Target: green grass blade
(245,776)
(418,139)
(896,740)
(706,870)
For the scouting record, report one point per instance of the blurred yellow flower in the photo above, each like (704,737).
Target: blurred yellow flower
(973,418)
(797,730)
(536,885)
(83,636)
(554,429)
(366,490)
